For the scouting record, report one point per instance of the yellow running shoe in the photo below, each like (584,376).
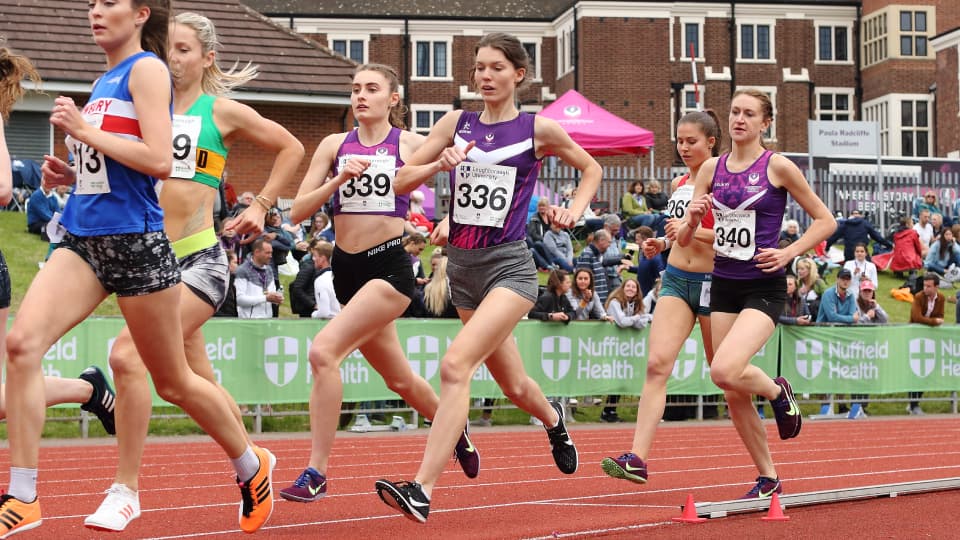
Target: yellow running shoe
(17,516)
(256,494)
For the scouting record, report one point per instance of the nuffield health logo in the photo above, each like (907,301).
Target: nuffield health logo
(686,362)
(423,353)
(923,356)
(281,359)
(555,357)
(809,358)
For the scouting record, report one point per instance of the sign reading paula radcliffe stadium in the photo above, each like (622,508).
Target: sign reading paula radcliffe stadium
(828,138)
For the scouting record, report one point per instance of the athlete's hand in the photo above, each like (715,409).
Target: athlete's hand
(249,222)
(353,168)
(439,235)
(651,247)
(453,156)
(698,208)
(57,172)
(670,229)
(66,116)
(561,216)
(772,260)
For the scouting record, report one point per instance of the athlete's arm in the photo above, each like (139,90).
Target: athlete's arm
(315,190)
(239,121)
(550,138)
(784,173)
(699,203)
(434,155)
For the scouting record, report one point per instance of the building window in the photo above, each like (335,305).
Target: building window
(914,128)
(688,103)
(756,42)
(833,44)
(691,40)
(425,116)
(877,112)
(875,39)
(565,48)
(913,33)
(834,104)
(351,48)
(533,53)
(433,60)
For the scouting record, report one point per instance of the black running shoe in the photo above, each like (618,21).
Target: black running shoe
(407,497)
(786,410)
(561,445)
(102,399)
(467,455)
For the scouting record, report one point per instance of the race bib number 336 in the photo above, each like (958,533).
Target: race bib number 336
(483,194)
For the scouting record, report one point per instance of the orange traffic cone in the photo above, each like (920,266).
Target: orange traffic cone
(689,512)
(775,513)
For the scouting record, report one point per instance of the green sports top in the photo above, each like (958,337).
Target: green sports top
(198,150)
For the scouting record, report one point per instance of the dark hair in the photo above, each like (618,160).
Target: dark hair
(323,248)
(399,111)
(945,247)
(13,68)
(153,35)
(511,48)
(644,231)
(576,290)
(555,281)
(257,244)
(930,276)
(634,185)
(414,238)
(709,125)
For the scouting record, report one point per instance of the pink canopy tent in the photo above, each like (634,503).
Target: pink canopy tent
(598,131)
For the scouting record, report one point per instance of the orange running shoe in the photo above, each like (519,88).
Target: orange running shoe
(17,516)
(256,494)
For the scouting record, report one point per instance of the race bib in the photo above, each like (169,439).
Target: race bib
(186,134)
(372,191)
(677,205)
(91,165)
(735,233)
(484,194)
(705,294)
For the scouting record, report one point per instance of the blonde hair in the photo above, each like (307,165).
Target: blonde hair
(812,276)
(436,294)
(215,81)
(13,68)
(620,295)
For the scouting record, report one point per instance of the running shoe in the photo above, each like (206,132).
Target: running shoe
(786,410)
(561,445)
(102,399)
(309,487)
(118,509)
(256,494)
(628,466)
(764,489)
(17,516)
(407,497)
(467,455)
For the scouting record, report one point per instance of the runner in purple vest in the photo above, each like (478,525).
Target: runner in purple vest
(372,275)
(494,157)
(748,190)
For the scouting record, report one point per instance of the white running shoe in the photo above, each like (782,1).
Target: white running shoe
(118,509)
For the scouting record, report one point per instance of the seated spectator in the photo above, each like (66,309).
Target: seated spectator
(861,268)
(586,303)
(417,223)
(928,309)
(301,243)
(656,199)
(229,306)
(613,259)
(650,299)
(592,258)
(41,206)
(436,294)
(321,228)
(812,286)
(538,225)
(243,202)
(633,207)
(589,221)
(924,231)
(943,254)
(790,231)
(301,288)
(929,203)
(625,307)
(255,285)
(559,247)
(936,222)
(647,270)
(854,230)
(325,299)
(870,311)
(838,305)
(553,305)
(795,310)
(908,250)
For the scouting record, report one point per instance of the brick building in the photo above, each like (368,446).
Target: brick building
(947,106)
(301,85)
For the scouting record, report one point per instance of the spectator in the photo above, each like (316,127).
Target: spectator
(908,250)
(592,258)
(229,306)
(586,303)
(795,310)
(854,230)
(538,225)
(559,247)
(936,222)
(552,304)
(612,257)
(325,299)
(589,220)
(861,268)
(838,305)
(929,203)
(625,307)
(924,230)
(321,228)
(436,294)
(255,286)
(301,288)
(243,202)
(647,269)
(650,299)
(414,244)
(943,254)
(281,240)
(633,206)
(416,203)
(417,223)
(812,286)
(301,242)
(870,311)
(41,206)
(790,231)
(656,199)
(229,240)
(928,309)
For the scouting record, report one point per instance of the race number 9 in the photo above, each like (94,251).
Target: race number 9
(181,146)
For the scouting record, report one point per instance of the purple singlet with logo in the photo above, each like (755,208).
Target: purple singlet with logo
(486,213)
(375,186)
(748,213)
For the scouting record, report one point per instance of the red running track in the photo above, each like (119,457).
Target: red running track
(187,489)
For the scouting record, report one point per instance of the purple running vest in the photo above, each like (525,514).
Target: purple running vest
(390,146)
(509,144)
(747,190)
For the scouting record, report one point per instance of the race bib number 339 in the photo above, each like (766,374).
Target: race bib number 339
(372,191)
(483,194)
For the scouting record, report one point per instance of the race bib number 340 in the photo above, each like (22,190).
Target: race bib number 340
(735,233)
(483,194)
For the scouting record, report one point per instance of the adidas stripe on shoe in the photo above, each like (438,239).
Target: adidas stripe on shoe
(118,509)
(102,399)
(17,516)
(256,494)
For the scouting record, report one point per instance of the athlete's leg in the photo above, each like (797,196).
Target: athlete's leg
(484,331)
(384,353)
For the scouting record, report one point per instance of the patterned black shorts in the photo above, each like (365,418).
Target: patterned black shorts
(128,264)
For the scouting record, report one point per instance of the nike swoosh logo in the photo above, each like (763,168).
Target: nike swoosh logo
(314,491)
(470,448)
(419,504)
(630,468)
(794,410)
(764,495)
